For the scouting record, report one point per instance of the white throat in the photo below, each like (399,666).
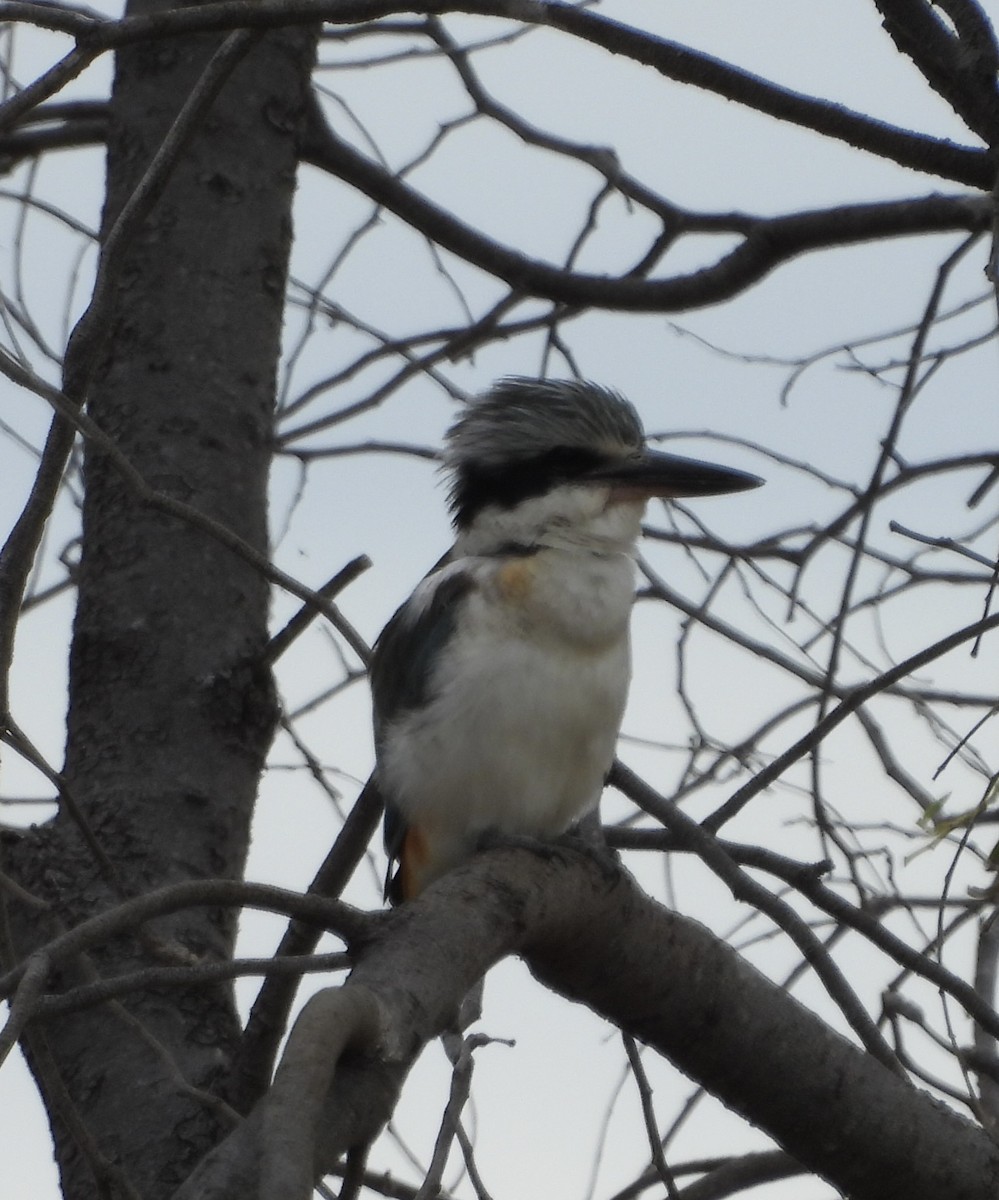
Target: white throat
(574,518)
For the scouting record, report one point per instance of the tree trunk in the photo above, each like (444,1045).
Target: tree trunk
(170,710)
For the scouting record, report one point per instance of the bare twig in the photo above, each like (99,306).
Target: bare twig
(744,887)
(659,1164)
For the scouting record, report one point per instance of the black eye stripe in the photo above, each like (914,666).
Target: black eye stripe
(507,486)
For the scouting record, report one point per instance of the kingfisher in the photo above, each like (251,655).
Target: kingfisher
(499,686)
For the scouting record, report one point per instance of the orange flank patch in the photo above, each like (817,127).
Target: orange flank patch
(514,579)
(413,861)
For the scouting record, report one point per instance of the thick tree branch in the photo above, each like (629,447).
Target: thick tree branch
(960,163)
(768,242)
(334,1022)
(745,888)
(806,878)
(961,68)
(663,978)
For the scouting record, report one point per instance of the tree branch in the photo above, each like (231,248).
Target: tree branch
(767,243)
(961,68)
(963,164)
(602,942)
(195,893)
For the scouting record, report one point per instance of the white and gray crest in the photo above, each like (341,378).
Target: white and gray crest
(521,418)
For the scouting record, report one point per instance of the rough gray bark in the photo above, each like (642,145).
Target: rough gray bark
(170,711)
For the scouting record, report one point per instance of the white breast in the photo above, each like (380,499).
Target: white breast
(527,701)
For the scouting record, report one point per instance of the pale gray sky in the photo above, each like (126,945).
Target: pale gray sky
(540,1106)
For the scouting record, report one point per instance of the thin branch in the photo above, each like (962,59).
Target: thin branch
(986,962)
(461,1086)
(179,508)
(348,922)
(875,488)
(297,625)
(50,81)
(269,1015)
(112,988)
(659,1164)
(806,878)
(741,1173)
(854,698)
(24,1002)
(19,741)
(743,887)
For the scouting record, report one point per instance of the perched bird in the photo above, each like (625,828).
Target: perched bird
(500,685)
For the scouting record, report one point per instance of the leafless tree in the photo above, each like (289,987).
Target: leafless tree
(826,647)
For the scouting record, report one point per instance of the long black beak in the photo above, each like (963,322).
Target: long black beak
(670,475)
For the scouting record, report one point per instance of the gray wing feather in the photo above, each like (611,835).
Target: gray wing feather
(402,670)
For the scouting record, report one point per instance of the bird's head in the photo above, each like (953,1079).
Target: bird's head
(533,459)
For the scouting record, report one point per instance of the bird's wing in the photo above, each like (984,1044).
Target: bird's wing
(405,653)
(402,667)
